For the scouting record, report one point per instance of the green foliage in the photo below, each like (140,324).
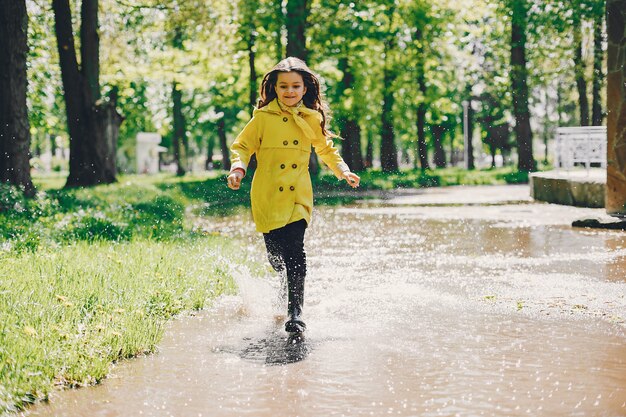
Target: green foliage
(458,49)
(12,199)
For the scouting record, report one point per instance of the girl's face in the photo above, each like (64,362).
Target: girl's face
(290,88)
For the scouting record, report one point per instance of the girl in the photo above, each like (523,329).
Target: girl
(291,116)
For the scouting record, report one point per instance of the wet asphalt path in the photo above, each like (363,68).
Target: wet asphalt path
(468,301)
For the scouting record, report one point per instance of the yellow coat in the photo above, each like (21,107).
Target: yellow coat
(281,188)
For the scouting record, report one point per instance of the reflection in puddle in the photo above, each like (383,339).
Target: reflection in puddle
(411,311)
(274,348)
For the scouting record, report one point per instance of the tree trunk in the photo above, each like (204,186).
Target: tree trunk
(250,11)
(14,124)
(492,152)
(296,22)
(109,122)
(350,129)
(579,69)
(278,20)
(616,108)
(369,151)
(221,133)
(559,102)
(440,154)
(178,119)
(253,76)
(519,75)
(297,15)
(420,67)
(179,129)
(469,152)
(351,148)
(314,165)
(598,76)
(209,153)
(250,8)
(422,148)
(452,134)
(92,125)
(388,150)
(90,47)
(546,124)
(53,144)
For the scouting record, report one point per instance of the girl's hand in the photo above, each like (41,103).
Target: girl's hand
(351,178)
(234,179)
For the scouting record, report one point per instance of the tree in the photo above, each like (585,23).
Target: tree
(473,43)
(437,132)
(438,71)
(469,126)
(297,14)
(296,23)
(598,57)
(579,63)
(519,75)
(495,126)
(179,129)
(388,149)
(616,106)
(419,23)
(249,33)
(350,128)
(14,124)
(93,123)
(221,133)
(344,38)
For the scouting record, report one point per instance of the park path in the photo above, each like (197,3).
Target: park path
(465,301)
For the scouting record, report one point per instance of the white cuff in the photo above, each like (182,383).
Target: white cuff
(342,168)
(239,165)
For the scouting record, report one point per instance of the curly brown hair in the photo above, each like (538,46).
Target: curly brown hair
(313,98)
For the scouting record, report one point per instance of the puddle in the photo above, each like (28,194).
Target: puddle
(501,310)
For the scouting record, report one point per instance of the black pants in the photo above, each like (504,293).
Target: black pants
(285,251)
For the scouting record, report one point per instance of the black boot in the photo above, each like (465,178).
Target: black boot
(294,308)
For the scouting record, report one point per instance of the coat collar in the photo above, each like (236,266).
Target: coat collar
(275,108)
(298,115)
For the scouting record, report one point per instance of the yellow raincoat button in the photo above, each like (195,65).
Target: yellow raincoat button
(285,119)
(294,166)
(292,188)
(282,166)
(285,143)
(295,142)
(280,188)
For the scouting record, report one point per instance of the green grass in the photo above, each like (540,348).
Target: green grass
(417,178)
(70,311)
(90,276)
(116,212)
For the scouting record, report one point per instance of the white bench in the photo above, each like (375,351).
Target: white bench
(580,145)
